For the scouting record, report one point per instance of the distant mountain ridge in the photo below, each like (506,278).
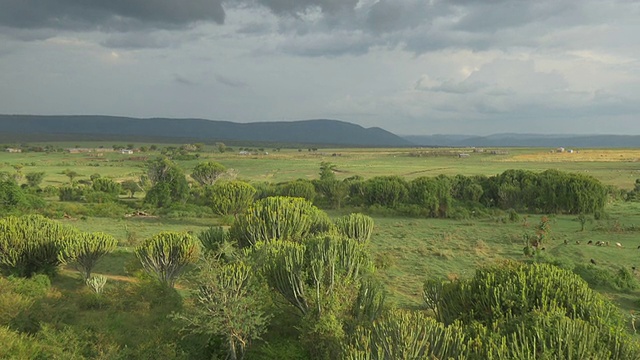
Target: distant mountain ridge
(318,132)
(527,140)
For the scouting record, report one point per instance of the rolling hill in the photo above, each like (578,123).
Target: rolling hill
(90,127)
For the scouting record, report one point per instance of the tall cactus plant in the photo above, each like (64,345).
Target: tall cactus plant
(408,335)
(33,244)
(355,226)
(309,274)
(166,255)
(87,249)
(230,197)
(274,218)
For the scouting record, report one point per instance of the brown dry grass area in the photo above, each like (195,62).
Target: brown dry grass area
(598,155)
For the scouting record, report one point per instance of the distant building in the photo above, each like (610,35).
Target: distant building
(126,151)
(79,150)
(560,150)
(13,150)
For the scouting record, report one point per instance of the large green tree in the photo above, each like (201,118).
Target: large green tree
(169,183)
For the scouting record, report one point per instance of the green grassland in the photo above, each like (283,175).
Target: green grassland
(407,250)
(613,167)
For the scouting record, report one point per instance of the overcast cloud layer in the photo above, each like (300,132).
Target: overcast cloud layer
(409,66)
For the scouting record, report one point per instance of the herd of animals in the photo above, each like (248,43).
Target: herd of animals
(600,243)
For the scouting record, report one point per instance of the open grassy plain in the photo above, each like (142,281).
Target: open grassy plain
(619,167)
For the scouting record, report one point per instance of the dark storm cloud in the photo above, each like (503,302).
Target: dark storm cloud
(393,15)
(293,7)
(112,15)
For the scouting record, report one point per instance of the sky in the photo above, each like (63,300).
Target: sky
(413,67)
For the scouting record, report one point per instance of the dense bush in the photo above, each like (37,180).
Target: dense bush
(32,244)
(11,195)
(169,184)
(230,197)
(388,191)
(432,194)
(70,193)
(297,188)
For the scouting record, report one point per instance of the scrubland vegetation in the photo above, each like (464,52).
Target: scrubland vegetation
(197,252)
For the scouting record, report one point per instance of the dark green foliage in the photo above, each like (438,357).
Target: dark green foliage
(159,195)
(634,194)
(32,244)
(333,192)
(131,187)
(432,194)
(551,191)
(34,178)
(230,197)
(298,188)
(166,255)
(274,218)
(103,190)
(467,189)
(169,183)
(107,186)
(327,171)
(387,191)
(355,226)
(11,195)
(70,193)
(71,174)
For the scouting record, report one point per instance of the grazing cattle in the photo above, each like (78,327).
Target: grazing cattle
(577,242)
(593,262)
(618,244)
(598,243)
(590,242)
(606,243)
(567,242)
